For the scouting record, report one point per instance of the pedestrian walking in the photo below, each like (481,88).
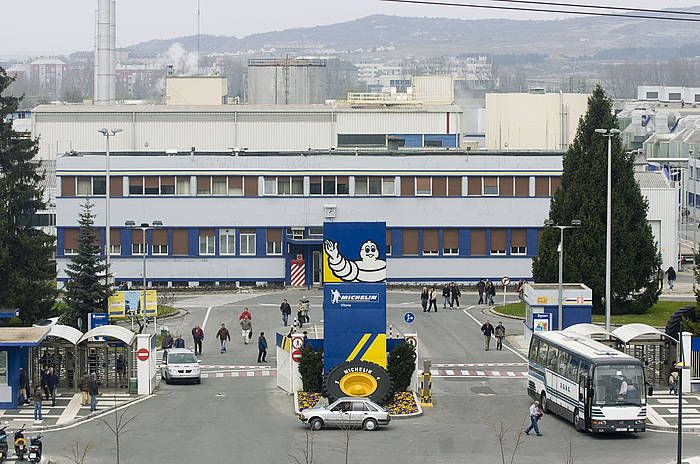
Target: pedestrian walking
(671,276)
(198,337)
(121,370)
(37,396)
(167,342)
(23,387)
(481,286)
(286,310)
(179,342)
(246,329)
(433,299)
(487,330)
(302,311)
(262,347)
(673,383)
(52,384)
(93,391)
(535,416)
(490,292)
(455,293)
(43,381)
(84,380)
(445,295)
(223,336)
(424,297)
(500,333)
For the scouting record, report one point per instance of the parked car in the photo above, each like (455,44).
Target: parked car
(346,412)
(180,364)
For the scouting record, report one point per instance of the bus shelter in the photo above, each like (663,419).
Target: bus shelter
(651,346)
(60,351)
(107,351)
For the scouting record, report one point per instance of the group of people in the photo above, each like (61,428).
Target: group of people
(487,290)
(245,320)
(302,312)
(450,296)
(489,331)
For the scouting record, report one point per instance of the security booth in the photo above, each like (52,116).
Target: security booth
(58,350)
(107,351)
(15,346)
(542,306)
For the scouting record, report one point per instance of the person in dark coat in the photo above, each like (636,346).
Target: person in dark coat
(481,286)
(52,384)
(454,294)
(93,391)
(23,387)
(44,381)
(487,329)
(262,347)
(198,337)
(179,342)
(424,297)
(286,310)
(671,276)
(445,296)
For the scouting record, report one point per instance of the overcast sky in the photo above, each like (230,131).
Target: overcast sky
(63,26)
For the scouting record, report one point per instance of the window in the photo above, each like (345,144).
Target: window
(68,186)
(534,349)
(423,186)
(674,96)
(374,184)
(70,241)
(136,185)
(115,241)
(3,367)
(478,242)
(284,186)
(388,187)
(408,186)
(450,242)
(342,185)
(542,354)
(315,185)
(563,362)
(439,186)
(430,242)
(270,186)
(572,369)
(555,183)
(84,186)
(218,185)
(151,185)
(248,242)
(250,186)
(518,242)
(137,242)
(388,242)
(652,95)
(410,242)
(182,186)
(328,185)
(506,186)
(274,242)
(552,358)
(159,245)
(180,242)
(498,241)
(167,185)
(227,241)
(697,98)
(315,231)
(541,186)
(491,186)
(359,140)
(522,186)
(207,243)
(203,185)
(235,186)
(99,186)
(454,186)
(297,233)
(474,186)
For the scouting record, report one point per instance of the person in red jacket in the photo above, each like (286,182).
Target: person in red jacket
(245,315)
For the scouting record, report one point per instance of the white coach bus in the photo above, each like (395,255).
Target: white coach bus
(597,388)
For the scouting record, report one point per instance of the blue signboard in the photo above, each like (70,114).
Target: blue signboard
(409,318)
(97,320)
(354,252)
(541,322)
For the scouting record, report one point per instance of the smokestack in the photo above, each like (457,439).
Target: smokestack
(113,51)
(103,67)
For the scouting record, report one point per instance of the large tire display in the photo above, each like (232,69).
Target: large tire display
(360,379)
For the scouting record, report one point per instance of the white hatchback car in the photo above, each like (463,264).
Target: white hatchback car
(180,364)
(346,412)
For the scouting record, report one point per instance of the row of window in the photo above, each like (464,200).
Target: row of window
(558,360)
(435,186)
(414,242)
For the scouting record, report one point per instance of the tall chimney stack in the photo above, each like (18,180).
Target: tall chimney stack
(104,68)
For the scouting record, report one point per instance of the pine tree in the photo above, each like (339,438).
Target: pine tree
(86,290)
(582,196)
(27,268)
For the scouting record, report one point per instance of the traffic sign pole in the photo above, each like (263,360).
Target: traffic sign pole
(505,282)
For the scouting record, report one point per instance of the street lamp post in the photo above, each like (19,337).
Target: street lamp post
(609,133)
(574,224)
(107,133)
(145,227)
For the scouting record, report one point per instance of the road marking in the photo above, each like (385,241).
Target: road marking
(480,373)
(464,372)
(71,410)
(450,372)
(518,364)
(496,373)
(465,311)
(206,317)
(511,374)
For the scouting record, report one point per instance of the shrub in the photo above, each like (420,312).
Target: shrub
(311,369)
(401,362)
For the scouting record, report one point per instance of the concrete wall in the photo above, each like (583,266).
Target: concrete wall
(521,121)
(195,90)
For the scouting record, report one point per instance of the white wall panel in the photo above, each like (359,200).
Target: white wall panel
(448,269)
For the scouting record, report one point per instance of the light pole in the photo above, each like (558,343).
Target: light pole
(145,227)
(609,133)
(572,225)
(107,133)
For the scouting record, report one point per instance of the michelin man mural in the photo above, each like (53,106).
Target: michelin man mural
(369,268)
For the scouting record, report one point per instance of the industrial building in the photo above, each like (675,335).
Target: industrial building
(287,81)
(668,93)
(454,215)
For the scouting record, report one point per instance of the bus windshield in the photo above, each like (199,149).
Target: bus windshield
(618,385)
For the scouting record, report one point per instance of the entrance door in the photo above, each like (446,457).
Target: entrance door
(317,268)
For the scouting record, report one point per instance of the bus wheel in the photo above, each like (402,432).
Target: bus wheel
(578,423)
(543,402)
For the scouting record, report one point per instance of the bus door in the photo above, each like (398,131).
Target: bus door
(584,395)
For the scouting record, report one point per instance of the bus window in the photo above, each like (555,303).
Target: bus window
(572,369)
(542,355)
(552,358)
(534,349)
(563,362)
(621,384)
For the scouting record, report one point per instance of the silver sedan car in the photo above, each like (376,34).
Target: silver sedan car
(180,364)
(346,412)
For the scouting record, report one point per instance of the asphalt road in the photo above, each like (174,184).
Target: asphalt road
(248,419)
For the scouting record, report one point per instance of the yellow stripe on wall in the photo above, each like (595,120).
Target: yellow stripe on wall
(376,353)
(358,347)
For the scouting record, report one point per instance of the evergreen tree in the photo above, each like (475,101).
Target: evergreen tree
(86,290)
(27,268)
(582,196)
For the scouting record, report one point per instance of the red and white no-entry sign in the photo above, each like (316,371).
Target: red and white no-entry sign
(142,354)
(296,355)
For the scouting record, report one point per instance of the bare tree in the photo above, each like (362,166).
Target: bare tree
(501,430)
(348,431)
(120,425)
(569,456)
(307,453)
(78,451)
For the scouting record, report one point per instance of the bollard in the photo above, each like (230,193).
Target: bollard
(426,387)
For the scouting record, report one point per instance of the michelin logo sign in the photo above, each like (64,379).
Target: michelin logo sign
(346,298)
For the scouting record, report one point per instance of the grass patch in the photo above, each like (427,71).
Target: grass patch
(165,310)
(655,316)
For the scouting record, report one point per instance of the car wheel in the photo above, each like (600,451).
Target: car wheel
(360,379)
(316,423)
(370,425)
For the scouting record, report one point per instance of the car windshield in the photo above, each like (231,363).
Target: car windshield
(181,358)
(618,385)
